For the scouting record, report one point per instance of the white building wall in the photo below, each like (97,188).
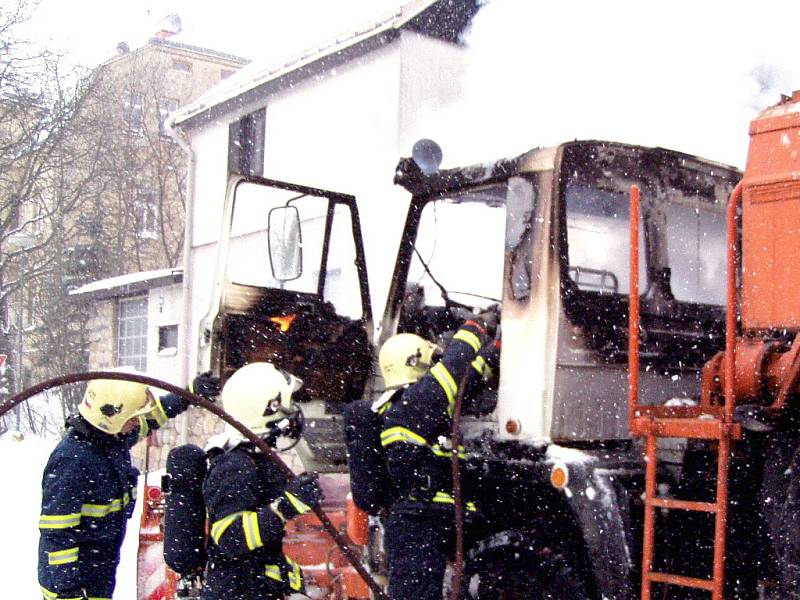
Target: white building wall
(343,130)
(163,309)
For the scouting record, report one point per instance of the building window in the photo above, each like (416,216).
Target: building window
(225,73)
(145,213)
(132,333)
(168,340)
(246,144)
(165,107)
(133,113)
(182,66)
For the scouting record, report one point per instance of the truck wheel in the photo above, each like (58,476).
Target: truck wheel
(512,565)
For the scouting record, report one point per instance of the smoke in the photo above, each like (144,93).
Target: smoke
(683,75)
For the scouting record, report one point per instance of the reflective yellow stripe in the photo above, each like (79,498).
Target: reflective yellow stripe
(219,526)
(97,511)
(300,506)
(443,452)
(447,384)
(144,428)
(277,511)
(382,409)
(468,337)
(445,498)
(295,577)
(59,521)
(158,414)
(401,434)
(252,535)
(53,596)
(273,572)
(62,557)
(481,366)
(48,594)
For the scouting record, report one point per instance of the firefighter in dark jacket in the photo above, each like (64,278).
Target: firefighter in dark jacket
(248,499)
(419,530)
(89,487)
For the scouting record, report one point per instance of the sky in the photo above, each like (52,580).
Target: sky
(684,75)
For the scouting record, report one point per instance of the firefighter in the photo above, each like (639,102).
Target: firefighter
(415,439)
(248,499)
(89,485)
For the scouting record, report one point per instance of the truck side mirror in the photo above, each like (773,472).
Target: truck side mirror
(285,243)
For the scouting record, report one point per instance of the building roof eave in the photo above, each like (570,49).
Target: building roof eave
(130,284)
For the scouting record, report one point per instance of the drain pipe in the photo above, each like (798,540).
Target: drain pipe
(185,327)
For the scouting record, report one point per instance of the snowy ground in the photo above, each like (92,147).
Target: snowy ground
(21,465)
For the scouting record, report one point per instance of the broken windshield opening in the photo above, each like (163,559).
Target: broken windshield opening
(598,235)
(459,247)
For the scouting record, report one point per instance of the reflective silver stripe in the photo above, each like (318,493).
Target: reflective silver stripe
(447,383)
(59,521)
(252,535)
(62,557)
(468,337)
(482,367)
(273,572)
(219,526)
(401,434)
(295,577)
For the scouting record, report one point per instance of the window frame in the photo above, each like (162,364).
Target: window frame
(136,360)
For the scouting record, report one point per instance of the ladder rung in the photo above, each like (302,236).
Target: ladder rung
(692,582)
(708,429)
(683,504)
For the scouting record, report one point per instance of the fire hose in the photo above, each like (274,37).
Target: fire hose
(342,541)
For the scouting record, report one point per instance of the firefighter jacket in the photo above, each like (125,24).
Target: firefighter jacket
(88,494)
(245,556)
(417,427)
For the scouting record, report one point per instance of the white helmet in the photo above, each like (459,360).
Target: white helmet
(259,394)
(405,358)
(110,403)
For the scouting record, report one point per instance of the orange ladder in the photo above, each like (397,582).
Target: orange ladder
(705,422)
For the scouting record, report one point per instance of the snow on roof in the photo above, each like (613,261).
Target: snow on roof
(130,283)
(438,21)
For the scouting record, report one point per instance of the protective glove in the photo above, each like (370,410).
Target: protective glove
(301,495)
(205,385)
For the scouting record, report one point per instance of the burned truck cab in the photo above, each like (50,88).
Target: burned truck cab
(546,236)
(282,296)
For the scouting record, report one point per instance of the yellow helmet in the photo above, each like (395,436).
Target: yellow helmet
(405,358)
(257,395)
(110,403)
